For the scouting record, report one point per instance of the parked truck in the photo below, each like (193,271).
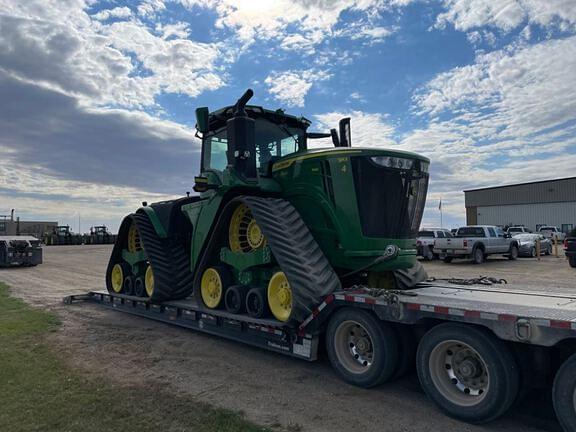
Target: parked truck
(286,247)
(427,239)
(476,243)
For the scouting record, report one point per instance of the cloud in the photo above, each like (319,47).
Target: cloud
(368,129)
(291,87)
(507,15)
(56,137)
(118,12)
(123,63)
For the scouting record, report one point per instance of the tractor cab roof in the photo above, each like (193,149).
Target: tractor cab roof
(218,118)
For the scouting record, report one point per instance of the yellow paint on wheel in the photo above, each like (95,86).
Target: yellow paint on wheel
(244,234)
(149,281)
(211,288)
(117,278)
(133,239)
(280,296)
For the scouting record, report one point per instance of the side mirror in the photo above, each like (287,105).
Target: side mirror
(345,133)
(202,115)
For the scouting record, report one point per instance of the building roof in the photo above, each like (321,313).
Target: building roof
(547,191)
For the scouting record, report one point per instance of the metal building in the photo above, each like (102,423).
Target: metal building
(550,202)
(10,226)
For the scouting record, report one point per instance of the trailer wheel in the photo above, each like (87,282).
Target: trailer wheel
(469,373)
(564,394)
(361,349)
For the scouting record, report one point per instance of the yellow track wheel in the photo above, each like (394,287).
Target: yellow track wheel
(280,296)
(149,281)
(117,278)
(244,234)
(211,288)
(134,244)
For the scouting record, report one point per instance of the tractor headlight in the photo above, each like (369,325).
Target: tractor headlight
(399,163)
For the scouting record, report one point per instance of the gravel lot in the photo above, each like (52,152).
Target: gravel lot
(272,390)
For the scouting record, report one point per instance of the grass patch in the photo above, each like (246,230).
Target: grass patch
(38,392)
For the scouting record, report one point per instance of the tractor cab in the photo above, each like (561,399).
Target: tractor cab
(242,143)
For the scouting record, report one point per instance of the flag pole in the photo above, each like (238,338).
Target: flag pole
(440,208)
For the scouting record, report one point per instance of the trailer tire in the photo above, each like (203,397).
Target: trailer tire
(564,394)
(362,350)
(453,361)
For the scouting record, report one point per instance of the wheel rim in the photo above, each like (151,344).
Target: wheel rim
(459,373)
(244,234)
(134,244)
(479,255)
(117,278)
(211,288)
(354,347)
(280,296)
(149,281)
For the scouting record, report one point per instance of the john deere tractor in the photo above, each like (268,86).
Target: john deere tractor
(276,226)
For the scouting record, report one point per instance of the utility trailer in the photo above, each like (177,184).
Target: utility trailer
(476,349)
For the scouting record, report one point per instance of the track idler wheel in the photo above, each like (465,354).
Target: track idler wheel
(235,298)
(129,285)
(280,296)
(214,282)
(139,287)
(256,303)
(119,272)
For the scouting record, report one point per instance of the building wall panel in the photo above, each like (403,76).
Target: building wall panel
(529,215)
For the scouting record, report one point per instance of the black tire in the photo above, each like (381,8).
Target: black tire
(257,303)
(564,394)
(513,253)
(362,350)
(477,399)
(447,259)
(572,261)
(235,299)
(128,285)
(478,256)
(139,287)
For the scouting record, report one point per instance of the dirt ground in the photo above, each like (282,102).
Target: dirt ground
(272,390)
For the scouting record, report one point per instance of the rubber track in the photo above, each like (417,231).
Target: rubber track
(310,274)
(172,276)
(170,263)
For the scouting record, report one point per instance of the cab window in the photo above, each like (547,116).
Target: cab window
(214,153)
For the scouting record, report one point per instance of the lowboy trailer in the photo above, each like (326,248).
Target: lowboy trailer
(476,349)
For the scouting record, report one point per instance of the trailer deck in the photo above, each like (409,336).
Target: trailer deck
(511,313)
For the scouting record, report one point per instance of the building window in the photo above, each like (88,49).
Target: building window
(566,228)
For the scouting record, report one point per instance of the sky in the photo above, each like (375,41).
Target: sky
(97,98)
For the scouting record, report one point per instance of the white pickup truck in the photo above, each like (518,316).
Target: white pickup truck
(476,242)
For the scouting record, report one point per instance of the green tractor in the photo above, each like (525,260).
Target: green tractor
(276,226)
